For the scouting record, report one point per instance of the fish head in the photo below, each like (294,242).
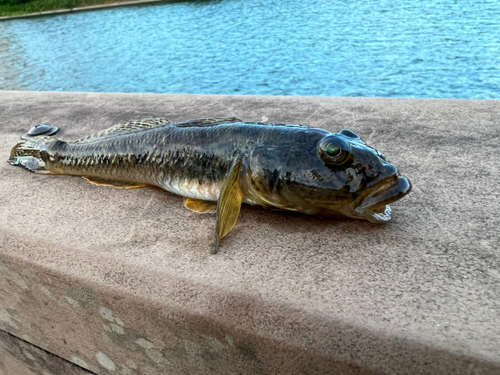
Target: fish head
(336,174)
(373,181)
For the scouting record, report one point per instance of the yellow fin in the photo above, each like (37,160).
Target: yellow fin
(228,206)
(128,127)
(197,205)
(116,184)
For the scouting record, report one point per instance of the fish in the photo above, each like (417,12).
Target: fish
(217,164)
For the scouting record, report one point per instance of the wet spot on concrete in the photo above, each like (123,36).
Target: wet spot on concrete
(85,296)
(144,343)
(80,362)
(119,321)
(13,276)
(117,329)
(28,355)
(26,337)
(214,343)
(72,302)
(124,337)
(131,364)
(126,344)
(156,356)
(46,292)
(230,341)
(125,370)
(108,315)
(12,312)
(105,361)
(8,320)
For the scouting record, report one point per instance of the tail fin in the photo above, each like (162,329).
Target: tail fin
(32,154)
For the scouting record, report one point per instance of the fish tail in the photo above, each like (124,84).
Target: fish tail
(33,154)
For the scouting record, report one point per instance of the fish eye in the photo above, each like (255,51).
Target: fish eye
(333,151)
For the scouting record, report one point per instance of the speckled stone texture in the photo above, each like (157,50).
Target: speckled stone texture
(18,357)
(122,282)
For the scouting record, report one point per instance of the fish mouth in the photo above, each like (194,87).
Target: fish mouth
(373,205)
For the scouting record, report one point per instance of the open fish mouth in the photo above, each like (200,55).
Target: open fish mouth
(374,204)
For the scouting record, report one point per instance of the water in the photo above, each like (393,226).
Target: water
(385,48)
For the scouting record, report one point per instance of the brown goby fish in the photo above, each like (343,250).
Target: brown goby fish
(218,164)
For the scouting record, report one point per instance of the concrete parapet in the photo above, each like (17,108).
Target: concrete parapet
(121,281)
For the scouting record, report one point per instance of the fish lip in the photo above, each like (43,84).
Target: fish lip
(374,204)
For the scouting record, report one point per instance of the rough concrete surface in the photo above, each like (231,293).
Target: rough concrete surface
(121,281)
(18,357)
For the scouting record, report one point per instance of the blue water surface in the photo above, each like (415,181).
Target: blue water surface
(385,48)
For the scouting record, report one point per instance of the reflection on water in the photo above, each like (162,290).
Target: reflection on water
(9,72)
(427,48)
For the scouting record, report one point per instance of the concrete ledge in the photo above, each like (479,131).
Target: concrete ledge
(121,281)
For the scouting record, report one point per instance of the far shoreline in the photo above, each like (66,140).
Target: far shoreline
(114,4)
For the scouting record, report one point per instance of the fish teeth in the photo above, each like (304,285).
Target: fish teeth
(385,216)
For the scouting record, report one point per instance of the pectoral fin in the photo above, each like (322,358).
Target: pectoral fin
(228,206)
(116,184)
(197,205)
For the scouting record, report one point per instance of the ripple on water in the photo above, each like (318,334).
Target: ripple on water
(429,48)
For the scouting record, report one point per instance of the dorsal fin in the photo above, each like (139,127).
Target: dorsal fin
(128,127)
(203,122)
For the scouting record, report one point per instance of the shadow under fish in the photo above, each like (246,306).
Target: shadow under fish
(218,164)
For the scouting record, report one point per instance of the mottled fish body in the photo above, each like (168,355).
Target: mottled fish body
(228,161)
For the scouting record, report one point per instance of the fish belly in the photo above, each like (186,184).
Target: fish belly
(207,191)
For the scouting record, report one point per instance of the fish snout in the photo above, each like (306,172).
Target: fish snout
(375,175)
